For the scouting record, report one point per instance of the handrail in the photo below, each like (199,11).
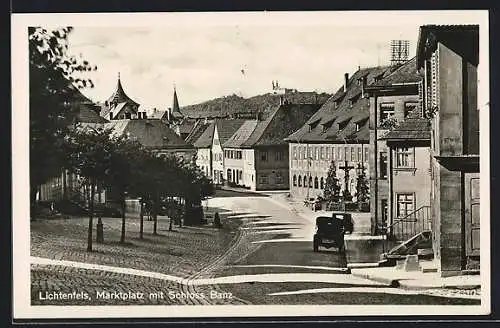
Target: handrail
(398,221)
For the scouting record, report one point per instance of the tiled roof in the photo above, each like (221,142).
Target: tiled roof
(199,129)
(87,114)
(156,114)
(406,73)
(283,121)
(186,126)
(412,128)
(241,135)
(150,133)
(227,127)
(340,109)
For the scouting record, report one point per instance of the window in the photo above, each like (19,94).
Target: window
(279,155)
(263,179)
(316,153)
(405,204)
(279,178)
(316,185)
(383,165)
(404,157)
(263,156)
(410,107)
(216,142)
(322,183)
(386,111)
(366,154)
(360,153)
(310,182)
(346,153)
(294,152)
(353,154)
(385,211)
(295,180)
(300,181)
(322,152)
(339,153)
(229,175)
(333,153)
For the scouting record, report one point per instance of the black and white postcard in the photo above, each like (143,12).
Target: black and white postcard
(250,164)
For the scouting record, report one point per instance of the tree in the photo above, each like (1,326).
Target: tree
(331,192)
(54,99)
(89,155)
(362,188)
(126,161)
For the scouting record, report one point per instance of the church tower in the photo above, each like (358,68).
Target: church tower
(120,106)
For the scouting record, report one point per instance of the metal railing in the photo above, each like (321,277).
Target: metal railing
(408,226)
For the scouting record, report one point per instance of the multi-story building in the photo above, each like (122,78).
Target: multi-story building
(337,132)
(392,99)
(257,154)
(449,57)
(407,199)
(210,157)
(237,163)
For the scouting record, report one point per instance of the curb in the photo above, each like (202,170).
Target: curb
(400,283)
(407,286)
(386,281)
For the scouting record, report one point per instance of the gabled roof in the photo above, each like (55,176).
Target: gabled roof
(405,74)
(120,96)
(412,128)
(241,135)
(186,126)
(339,108)
(87,114)
(199,128)
(225,128)
(157,114)
(284,120)
(149,133)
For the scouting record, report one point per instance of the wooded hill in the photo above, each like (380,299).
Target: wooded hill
(238,106)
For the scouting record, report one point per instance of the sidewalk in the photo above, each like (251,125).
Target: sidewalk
(396,277)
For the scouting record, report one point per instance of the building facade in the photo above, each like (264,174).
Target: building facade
(392,100)
(338,132)
(448,57)
(409,178)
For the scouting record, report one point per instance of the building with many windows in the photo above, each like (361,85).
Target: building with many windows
(448,57)
(337,132)
(392,100)
(210,157)
(257,155)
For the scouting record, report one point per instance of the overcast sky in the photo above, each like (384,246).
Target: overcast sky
(206,61)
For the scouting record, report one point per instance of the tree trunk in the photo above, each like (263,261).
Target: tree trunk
(155,213)
(124,207)
(91,217)
(141,231)
(100,227)
(170,214)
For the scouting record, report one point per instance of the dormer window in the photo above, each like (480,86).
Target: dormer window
(313,124)
(343,125)
(359,124)
(327,125)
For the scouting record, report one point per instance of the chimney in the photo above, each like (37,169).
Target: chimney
(363,84)
(281,100)
(346,81)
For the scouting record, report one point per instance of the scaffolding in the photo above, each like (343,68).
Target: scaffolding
(399,51)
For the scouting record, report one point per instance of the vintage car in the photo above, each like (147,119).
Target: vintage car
(329,233)
(346,219)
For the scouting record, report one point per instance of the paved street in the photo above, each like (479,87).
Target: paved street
(263,255)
